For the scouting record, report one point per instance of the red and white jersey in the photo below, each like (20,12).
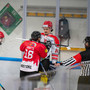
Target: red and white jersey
(33,52)
(54,50)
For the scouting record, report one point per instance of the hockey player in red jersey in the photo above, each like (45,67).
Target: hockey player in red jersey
(80,57)
(33,52)
(1,37)
(48,37)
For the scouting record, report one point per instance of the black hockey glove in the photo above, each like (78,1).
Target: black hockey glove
(48,45)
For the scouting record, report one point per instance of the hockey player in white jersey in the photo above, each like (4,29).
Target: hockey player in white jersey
(48,38)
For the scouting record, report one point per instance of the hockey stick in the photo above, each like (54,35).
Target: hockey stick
(22,39)
(2,86)
(43,69)
(43,42)
(74,66)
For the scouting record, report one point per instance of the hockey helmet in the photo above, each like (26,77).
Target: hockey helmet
(35,35)
(48,24)
(87,39)
(1,35)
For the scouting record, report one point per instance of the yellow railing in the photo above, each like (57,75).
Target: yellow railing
(37,14)
(72,49)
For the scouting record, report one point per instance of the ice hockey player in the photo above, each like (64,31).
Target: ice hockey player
(83,58)
(48,37)
(33,52)
(80,57)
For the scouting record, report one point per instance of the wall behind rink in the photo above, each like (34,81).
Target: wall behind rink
(78,27)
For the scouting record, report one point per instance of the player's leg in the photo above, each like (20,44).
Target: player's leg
(45,64)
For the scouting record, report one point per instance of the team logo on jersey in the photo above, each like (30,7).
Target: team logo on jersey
(32,44)
(56,51)
(46,50)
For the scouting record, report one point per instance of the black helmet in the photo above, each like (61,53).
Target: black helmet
(35,35)
(87,39)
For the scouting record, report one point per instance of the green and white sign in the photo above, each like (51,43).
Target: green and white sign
(9,19)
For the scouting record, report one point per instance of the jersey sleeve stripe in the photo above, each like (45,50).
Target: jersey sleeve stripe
(54,58)
(69,61)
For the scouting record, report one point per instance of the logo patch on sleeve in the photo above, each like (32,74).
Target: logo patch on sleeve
(46,50)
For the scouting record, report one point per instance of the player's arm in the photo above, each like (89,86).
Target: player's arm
(23,46)
(73,60)
(43,51)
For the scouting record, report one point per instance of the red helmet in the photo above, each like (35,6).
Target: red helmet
(48,24)
(1,35)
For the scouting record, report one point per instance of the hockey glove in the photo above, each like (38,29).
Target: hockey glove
(48,45)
